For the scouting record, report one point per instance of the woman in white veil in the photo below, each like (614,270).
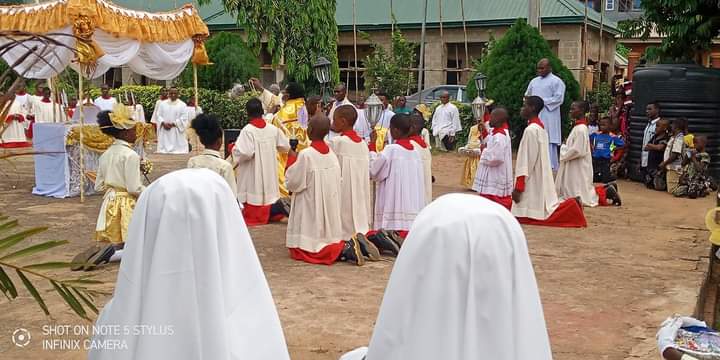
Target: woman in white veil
(190,285)
(462,288)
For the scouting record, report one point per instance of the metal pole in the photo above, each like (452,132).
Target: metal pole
(355,64)
(467,55)
(392,22)
(583,61)
(82,146)
(422,52)
(532,13)
(600,44)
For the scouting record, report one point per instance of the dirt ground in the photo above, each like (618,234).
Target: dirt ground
(604,289)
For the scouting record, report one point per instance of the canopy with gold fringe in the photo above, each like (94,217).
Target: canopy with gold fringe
(157,45)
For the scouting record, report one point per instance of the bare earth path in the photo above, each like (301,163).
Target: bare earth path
(604,289)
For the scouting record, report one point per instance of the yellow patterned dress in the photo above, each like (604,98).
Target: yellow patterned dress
(288,120)
(119,177)
(472,158)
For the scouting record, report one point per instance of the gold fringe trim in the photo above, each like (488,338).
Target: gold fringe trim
(173,26)
(95,140)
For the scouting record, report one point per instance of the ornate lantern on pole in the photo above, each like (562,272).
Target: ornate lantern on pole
(373,110)
(479,104)
(322,74)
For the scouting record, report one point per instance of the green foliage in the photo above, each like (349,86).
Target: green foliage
(510,66)
(231,111)
(688,26)
(75,292)
(602,96)
(297,31)
(233,61)
(389,71)
(622,50)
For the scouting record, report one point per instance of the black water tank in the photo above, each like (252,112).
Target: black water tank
(690,91)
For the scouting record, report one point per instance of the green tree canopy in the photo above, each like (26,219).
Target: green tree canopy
(510,65)
(296,31)
(687,26)
(232,59)
(388,71)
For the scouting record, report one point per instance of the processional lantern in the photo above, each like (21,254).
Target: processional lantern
(479,104)
(322,73)
(373,109)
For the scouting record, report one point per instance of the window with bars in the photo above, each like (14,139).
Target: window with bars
(609,5)
(629,5)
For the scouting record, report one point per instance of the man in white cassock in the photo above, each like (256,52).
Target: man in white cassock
(551,89)
(445,123)
(172,122)
(16,122)
(193,277)
(463,288)
(48,111)
(105,102)
(163,98)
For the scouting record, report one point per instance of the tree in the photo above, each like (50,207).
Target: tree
(232,59)
(297,32)
(390,71)
(687,26)
(510,65)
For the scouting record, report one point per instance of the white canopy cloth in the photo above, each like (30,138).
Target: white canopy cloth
(462,288)
(189,265)
(158,46)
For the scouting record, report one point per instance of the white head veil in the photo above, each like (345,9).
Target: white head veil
(190,274)
(462,288)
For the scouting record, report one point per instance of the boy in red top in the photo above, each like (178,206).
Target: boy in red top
(535,201)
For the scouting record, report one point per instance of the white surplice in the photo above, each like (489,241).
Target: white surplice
(48,112)
(539,200)
(462,288)
(400,187)
(193,111)
(494,174)
(315,220)
(212,160)
(15,128)
(338,104)
(355,193)
(153,118)
(190,277)
(255,152)
(105,104)
(426,157)
(575,177)
(173,140)
(446,121)
(552,90)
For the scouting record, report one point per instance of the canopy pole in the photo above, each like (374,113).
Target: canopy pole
(195,85)
(583,61)
(355,63)
(467,55)
(600,44)
(422,52)
(82,138)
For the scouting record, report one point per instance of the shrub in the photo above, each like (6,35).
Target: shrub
(231,111)
(233,61)
(602,96)
(510,65)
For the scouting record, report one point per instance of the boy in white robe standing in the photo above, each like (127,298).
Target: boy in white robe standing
(315,227)
(255,152)
(48,111)
(172,122)
(493,179)
(575,177)
(418,125)
(163,98)
(535,201)
(105,102)
(16,123)
(398,171)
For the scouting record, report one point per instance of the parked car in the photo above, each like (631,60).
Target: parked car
(431,95)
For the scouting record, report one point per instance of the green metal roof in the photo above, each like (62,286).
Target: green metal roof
(375,14)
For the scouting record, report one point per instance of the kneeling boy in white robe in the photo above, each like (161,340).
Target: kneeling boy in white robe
(575,177)
(535,201)
(493,179)
(398,171)
(314,231)
(416,138)
(16,122)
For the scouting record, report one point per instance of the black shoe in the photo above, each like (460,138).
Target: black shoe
(613,184)
(81,259)
(612,194)
(285,206)
(367,248)
(578,200)
(383,243)
(102,257)
(394,236)
(352,253)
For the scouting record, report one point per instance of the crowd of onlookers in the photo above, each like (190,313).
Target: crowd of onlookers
(672,158)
